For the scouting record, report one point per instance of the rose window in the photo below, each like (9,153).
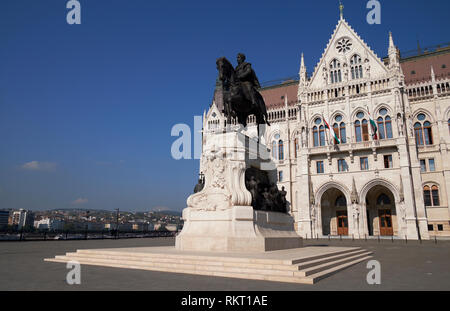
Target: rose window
(344,45)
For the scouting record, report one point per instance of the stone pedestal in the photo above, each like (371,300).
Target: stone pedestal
(220,217)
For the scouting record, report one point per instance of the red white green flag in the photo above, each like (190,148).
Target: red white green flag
(330,130)
(374,126)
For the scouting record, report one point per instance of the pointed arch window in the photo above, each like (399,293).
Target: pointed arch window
(356,67)
(358,130)
(296,147)
(315,136)
(339,129)
(275,149)
(361,127)
(318,133)
(280,150)
(423,131)
(335,71)
(384,124)
(431,195)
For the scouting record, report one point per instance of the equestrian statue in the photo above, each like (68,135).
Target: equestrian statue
(241,97)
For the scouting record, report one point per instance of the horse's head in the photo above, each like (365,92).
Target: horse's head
(225,69)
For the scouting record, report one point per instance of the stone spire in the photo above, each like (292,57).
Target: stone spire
(394,56)
(341,10)
(433,80)
(302,73)
(303,81)
(391,42)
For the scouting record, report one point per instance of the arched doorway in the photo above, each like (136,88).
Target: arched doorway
(334,212)
(381,212)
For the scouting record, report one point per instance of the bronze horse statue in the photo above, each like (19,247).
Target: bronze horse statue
(237,102)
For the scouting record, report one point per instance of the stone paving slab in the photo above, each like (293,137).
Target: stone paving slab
(404,266)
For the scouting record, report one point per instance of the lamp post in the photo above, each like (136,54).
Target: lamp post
(86,227)
(117,223)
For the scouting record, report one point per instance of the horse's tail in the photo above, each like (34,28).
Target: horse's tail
(266,119)
(263,109)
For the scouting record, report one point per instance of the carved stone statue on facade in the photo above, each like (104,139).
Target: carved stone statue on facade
(345,69)
(410,126)
(304,138)
(325,74)
(367,67)
(400,124)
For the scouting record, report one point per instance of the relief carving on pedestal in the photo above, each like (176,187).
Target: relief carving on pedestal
(215,194)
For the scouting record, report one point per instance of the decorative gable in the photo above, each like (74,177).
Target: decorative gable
(344,49)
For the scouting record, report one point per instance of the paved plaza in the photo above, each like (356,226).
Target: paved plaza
(404,266)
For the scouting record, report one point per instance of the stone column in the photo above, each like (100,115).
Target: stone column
(303,190)
(412,185)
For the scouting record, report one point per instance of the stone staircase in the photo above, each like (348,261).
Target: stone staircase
(306,265)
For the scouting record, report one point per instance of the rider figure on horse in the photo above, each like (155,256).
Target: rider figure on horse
(247,77)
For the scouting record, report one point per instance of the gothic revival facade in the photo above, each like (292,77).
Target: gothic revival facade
(361,146)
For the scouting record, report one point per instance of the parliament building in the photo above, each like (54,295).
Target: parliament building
(362,144)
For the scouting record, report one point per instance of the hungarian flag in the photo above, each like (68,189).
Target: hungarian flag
(330,130)
(374,126)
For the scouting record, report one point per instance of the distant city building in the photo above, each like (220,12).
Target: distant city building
(122,227)
(157,226)
(4,217)
(171,227)
(50,224)
(22,218)
(95,226)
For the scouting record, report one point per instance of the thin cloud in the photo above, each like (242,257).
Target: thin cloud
(39,166)
(159,209)
(79,201)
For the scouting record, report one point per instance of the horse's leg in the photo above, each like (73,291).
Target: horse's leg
(257,126)
(228,111)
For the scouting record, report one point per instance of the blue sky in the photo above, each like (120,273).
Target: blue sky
(86,110)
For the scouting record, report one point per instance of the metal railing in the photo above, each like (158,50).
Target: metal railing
(46,235)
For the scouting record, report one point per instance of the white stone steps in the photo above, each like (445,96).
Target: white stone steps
(182,260)
(325,255)
(248,276)
(203,258)
(330,264)
(326,273)
(208,260)
(184,266)
(307,264)
(310,270)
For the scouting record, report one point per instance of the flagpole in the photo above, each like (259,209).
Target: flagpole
(326,132)
(372,125)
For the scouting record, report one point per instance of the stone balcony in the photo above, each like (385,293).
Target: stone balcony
(352,147)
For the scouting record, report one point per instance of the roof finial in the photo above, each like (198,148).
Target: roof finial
(341,9)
